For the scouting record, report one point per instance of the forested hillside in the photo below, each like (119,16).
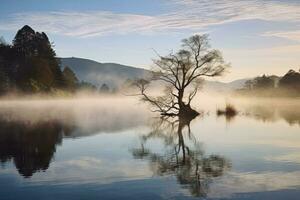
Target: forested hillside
(29,65)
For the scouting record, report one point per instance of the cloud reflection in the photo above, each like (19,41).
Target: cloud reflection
(31,130)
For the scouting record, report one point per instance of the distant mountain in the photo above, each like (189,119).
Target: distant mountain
(116,74)
(97,73)
(224,87)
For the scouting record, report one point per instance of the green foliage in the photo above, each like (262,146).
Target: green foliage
(31,66)
(104,88)
(37,86)
(290,80)
(87,86)
(261,82)
(6,70)
(70,79)
(273,86)
(4,82)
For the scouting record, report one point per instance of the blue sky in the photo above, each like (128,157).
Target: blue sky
(255,36)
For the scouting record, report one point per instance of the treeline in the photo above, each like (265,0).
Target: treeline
(285,86)
(29,65)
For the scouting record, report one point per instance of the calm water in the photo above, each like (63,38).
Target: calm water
(115,149)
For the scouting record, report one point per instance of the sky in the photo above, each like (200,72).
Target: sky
(256,36)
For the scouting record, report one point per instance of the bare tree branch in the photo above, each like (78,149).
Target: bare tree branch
(182,72)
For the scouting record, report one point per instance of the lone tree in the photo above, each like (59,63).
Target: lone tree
(182,73)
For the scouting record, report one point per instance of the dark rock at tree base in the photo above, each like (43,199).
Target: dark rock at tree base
(187,112)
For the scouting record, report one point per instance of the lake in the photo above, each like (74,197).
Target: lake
(114,148)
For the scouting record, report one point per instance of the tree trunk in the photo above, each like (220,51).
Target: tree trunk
(185,110)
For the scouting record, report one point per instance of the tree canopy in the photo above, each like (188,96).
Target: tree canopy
(70,78)
(104,88)
(290,80)
(30,65)
(182,73)
(286,86)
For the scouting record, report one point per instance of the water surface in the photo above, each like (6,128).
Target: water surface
(113,148)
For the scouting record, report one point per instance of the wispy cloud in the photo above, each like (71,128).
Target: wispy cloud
(250,182)
(232,10)
(82,24)
(291,35)
(184,15)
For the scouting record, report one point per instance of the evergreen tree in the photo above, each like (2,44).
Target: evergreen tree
(30,65)
(263,82)
(70,78)
(37,61)
(248,84)
(83,85)
(7,61)
(4,81)
(104,88)
(24,42)
(290,80)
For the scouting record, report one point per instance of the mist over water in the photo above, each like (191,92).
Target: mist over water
(98,114)
(118,112)
(163,126)
(92,146)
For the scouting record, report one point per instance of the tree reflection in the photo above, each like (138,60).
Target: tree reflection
(31,131)
(272,113)
(183,156)
(30,146)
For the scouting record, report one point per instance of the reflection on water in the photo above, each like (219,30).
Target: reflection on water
(30,131)
(268,110)
(272,113)
(89,150)
(192,168)
(30,146)
(86,116)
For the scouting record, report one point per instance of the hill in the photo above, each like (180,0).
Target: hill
(224,87)
(116,74)
(99,73)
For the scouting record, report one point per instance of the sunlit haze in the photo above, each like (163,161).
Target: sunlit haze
(256,36)
(149,99)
